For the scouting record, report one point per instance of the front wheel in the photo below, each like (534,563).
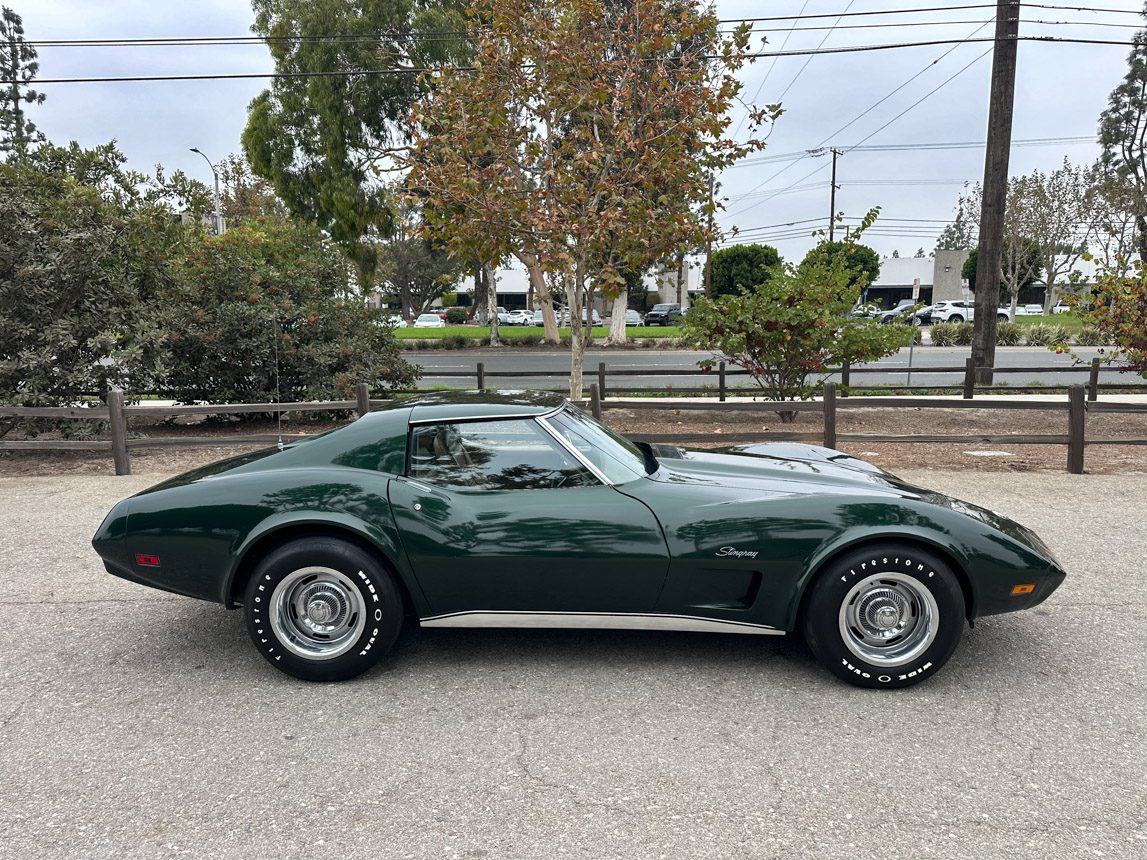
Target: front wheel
(885,616)
(322,609)
(1003,318)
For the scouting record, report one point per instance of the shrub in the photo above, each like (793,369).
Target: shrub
(964,332)
(1009,334)
(1044,334)
(1091,336)
(944,334)
(262,312)
(456,316)
(457,341)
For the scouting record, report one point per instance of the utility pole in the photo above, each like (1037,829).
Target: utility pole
(836,153)
(709,245)
(988,264)
(218,207)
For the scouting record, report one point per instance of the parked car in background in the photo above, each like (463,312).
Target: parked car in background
(519,317)
(663,314)
(922,316)
(503,316)
(1060,308)
(430,320)
(394,320)
(899,314)
(537,318)
(1029,311)
(958,312)
(632,317)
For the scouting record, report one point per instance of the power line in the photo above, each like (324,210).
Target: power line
(815,150)
(800,71)
(768,73)
(442,69)
(911,107)
(444,35)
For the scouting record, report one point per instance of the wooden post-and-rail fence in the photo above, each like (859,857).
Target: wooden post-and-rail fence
(1080,401)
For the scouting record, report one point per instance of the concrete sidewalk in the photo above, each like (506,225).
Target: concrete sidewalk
(138,724)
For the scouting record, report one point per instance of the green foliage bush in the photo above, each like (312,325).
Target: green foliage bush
(455,316)
(1009,334)
(266,311)
(84,263)
(1047,334)
(790,330)
(457,341)
(944,334)
(964,332)
(1091,336)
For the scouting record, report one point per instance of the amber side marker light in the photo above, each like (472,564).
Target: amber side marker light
(1022,589)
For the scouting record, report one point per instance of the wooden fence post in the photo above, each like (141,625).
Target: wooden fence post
(845,373)
(1093,381)
(830,415)
(595,401)
(481,376)
(1076,417)
(969,378)
(721,381)
(601,379)
(119,432)
(362,396)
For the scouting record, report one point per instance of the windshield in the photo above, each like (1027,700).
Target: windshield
(615,456)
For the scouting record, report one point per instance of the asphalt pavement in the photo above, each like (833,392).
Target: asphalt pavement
(502,363)
(135,724)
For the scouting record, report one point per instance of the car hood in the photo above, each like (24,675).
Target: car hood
(788,469)
(763,466)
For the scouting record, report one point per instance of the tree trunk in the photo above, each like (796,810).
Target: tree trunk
(680,279)
(541,295)
(617,333)
(1141,235)
(1047,296)
(492,303)
(577,343)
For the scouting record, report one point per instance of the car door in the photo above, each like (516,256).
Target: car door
(499,516)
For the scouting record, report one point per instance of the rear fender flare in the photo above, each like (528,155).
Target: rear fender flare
(384,541)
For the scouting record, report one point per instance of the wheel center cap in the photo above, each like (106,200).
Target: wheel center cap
(886,617)
(320,611)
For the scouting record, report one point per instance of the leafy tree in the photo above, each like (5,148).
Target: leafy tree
(1123,136)
(84,258)
(412,267)
(324,140)
(246,196)
(1112,230)
(919,255)
(1024,271)
(1059,211)
(582,142)
(796,325)
(742,267)
(265,312)
(861,262)
(1116,306)
(19,67)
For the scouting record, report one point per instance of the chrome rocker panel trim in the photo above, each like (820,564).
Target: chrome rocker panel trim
(597,621)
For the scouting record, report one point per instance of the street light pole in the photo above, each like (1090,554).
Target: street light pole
(218,206)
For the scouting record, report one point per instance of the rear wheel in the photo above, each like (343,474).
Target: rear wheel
(955,318)
(322,609)
(885,616)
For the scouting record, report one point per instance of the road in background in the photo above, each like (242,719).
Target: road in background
(556,362)
(136,724)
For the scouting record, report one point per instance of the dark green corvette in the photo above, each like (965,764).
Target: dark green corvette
(519,510)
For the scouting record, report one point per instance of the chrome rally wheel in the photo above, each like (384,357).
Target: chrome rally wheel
(888,619)
(322,609)
(885,615)
(317,612)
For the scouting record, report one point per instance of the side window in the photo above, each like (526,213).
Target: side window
(493,455)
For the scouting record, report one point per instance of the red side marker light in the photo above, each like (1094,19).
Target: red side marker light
(146,560)
(1023,589)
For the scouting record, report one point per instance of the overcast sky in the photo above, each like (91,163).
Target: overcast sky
(1061,90)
